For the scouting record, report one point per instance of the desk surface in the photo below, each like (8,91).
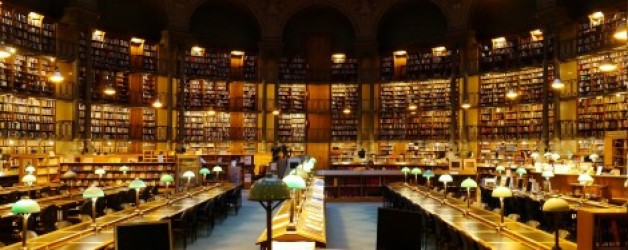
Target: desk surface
(481,224)
(83,235)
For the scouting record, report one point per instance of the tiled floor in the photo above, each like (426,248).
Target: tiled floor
(350,226)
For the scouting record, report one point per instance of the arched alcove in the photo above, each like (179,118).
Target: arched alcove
(411,24)
(319,20)
(133,18)
(225,24)
(493,18)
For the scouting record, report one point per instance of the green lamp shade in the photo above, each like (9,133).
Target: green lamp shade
(534,155)
(468,183)
(416,171)
(521,171)
(69,175)
(29,168)
(204,171)
(555,156)
(547,174)
(217,169)
(405,170)
(137,184)
(269,188)
(308,166)
(25,206)
(100,171)
(29,178)
(93,192)
(166,178)
(500,168)
(547,155)
(124,168)
(585,178)
(428,174)
(445,178)
(501,192)
(188,174)
(294,182)
(555,205)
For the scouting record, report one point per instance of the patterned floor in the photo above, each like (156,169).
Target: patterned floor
(350,226)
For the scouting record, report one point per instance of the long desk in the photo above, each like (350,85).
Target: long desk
(59,200)
(83,236)
(480,224)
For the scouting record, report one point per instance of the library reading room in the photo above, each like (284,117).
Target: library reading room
(313,124)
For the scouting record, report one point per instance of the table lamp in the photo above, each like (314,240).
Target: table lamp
(500,169)
(594,157)
(137,184)
(217,169)
(93,193)
(204,172)
(189,175)
(405,171)
(584,180)
(416,172)
(555,156)
(469,183)
(100,172)
(29,168)
(520,172)
(534,155)
(69,176)
(166,179)
(428,175)
(446,178)
(501,193)
(267,191)
(557,206)
(294,183)
(25,207)
(124,169)
(29,179)
(548,175)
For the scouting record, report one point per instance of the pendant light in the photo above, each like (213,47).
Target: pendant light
(6,51)
(211,112)
(557,84)
(607,65)
(109,90)
(512,94)
(346,110)
(621,32)
(157,104)
(56,76)
(276,112)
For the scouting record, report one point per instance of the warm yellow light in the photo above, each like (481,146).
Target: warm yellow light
(197,51)
(557,84)
(512,94)
(596,18)
(157,104)
(621,34)
(400,53)
(211,112)
(56,76)
(338,57)
(276,112)
(607,66)
(347,110)
(109,90)
(466,105)
(412,106)
(4,53)
(237,53)
(439,51)
(35,19)
(137,40)
(537,35)
(51,142)
(499,42)
(98,35)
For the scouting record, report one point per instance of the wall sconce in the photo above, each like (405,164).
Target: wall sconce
(499,42)
(338,58)
(237,53)
(439,51)
(197,51)
(537,35)
(98,35)
(137,41)
(400,53)
(596,18)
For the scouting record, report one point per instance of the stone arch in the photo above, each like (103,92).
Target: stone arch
(296,7)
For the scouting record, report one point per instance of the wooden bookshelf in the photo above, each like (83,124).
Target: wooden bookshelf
(294,68)
(591,81)
(249,67)
(357,185)
(150,172)
(531,47)
(523,121)
(429,64)
(344,70)
(201,63)
(143,89)
(149,124)
(342,152)
(249,127)
(204,94)
(386,68)
(597,114)
(498,54)
(493,153)
(108,122)
(344,127)
(144,56)
(595,33)
(292,97)
(27,117)
(27,30)
(22,146)
(200,126)
(249,97)
(291,127)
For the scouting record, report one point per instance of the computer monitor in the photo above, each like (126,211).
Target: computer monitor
(144,235)
(293,162)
